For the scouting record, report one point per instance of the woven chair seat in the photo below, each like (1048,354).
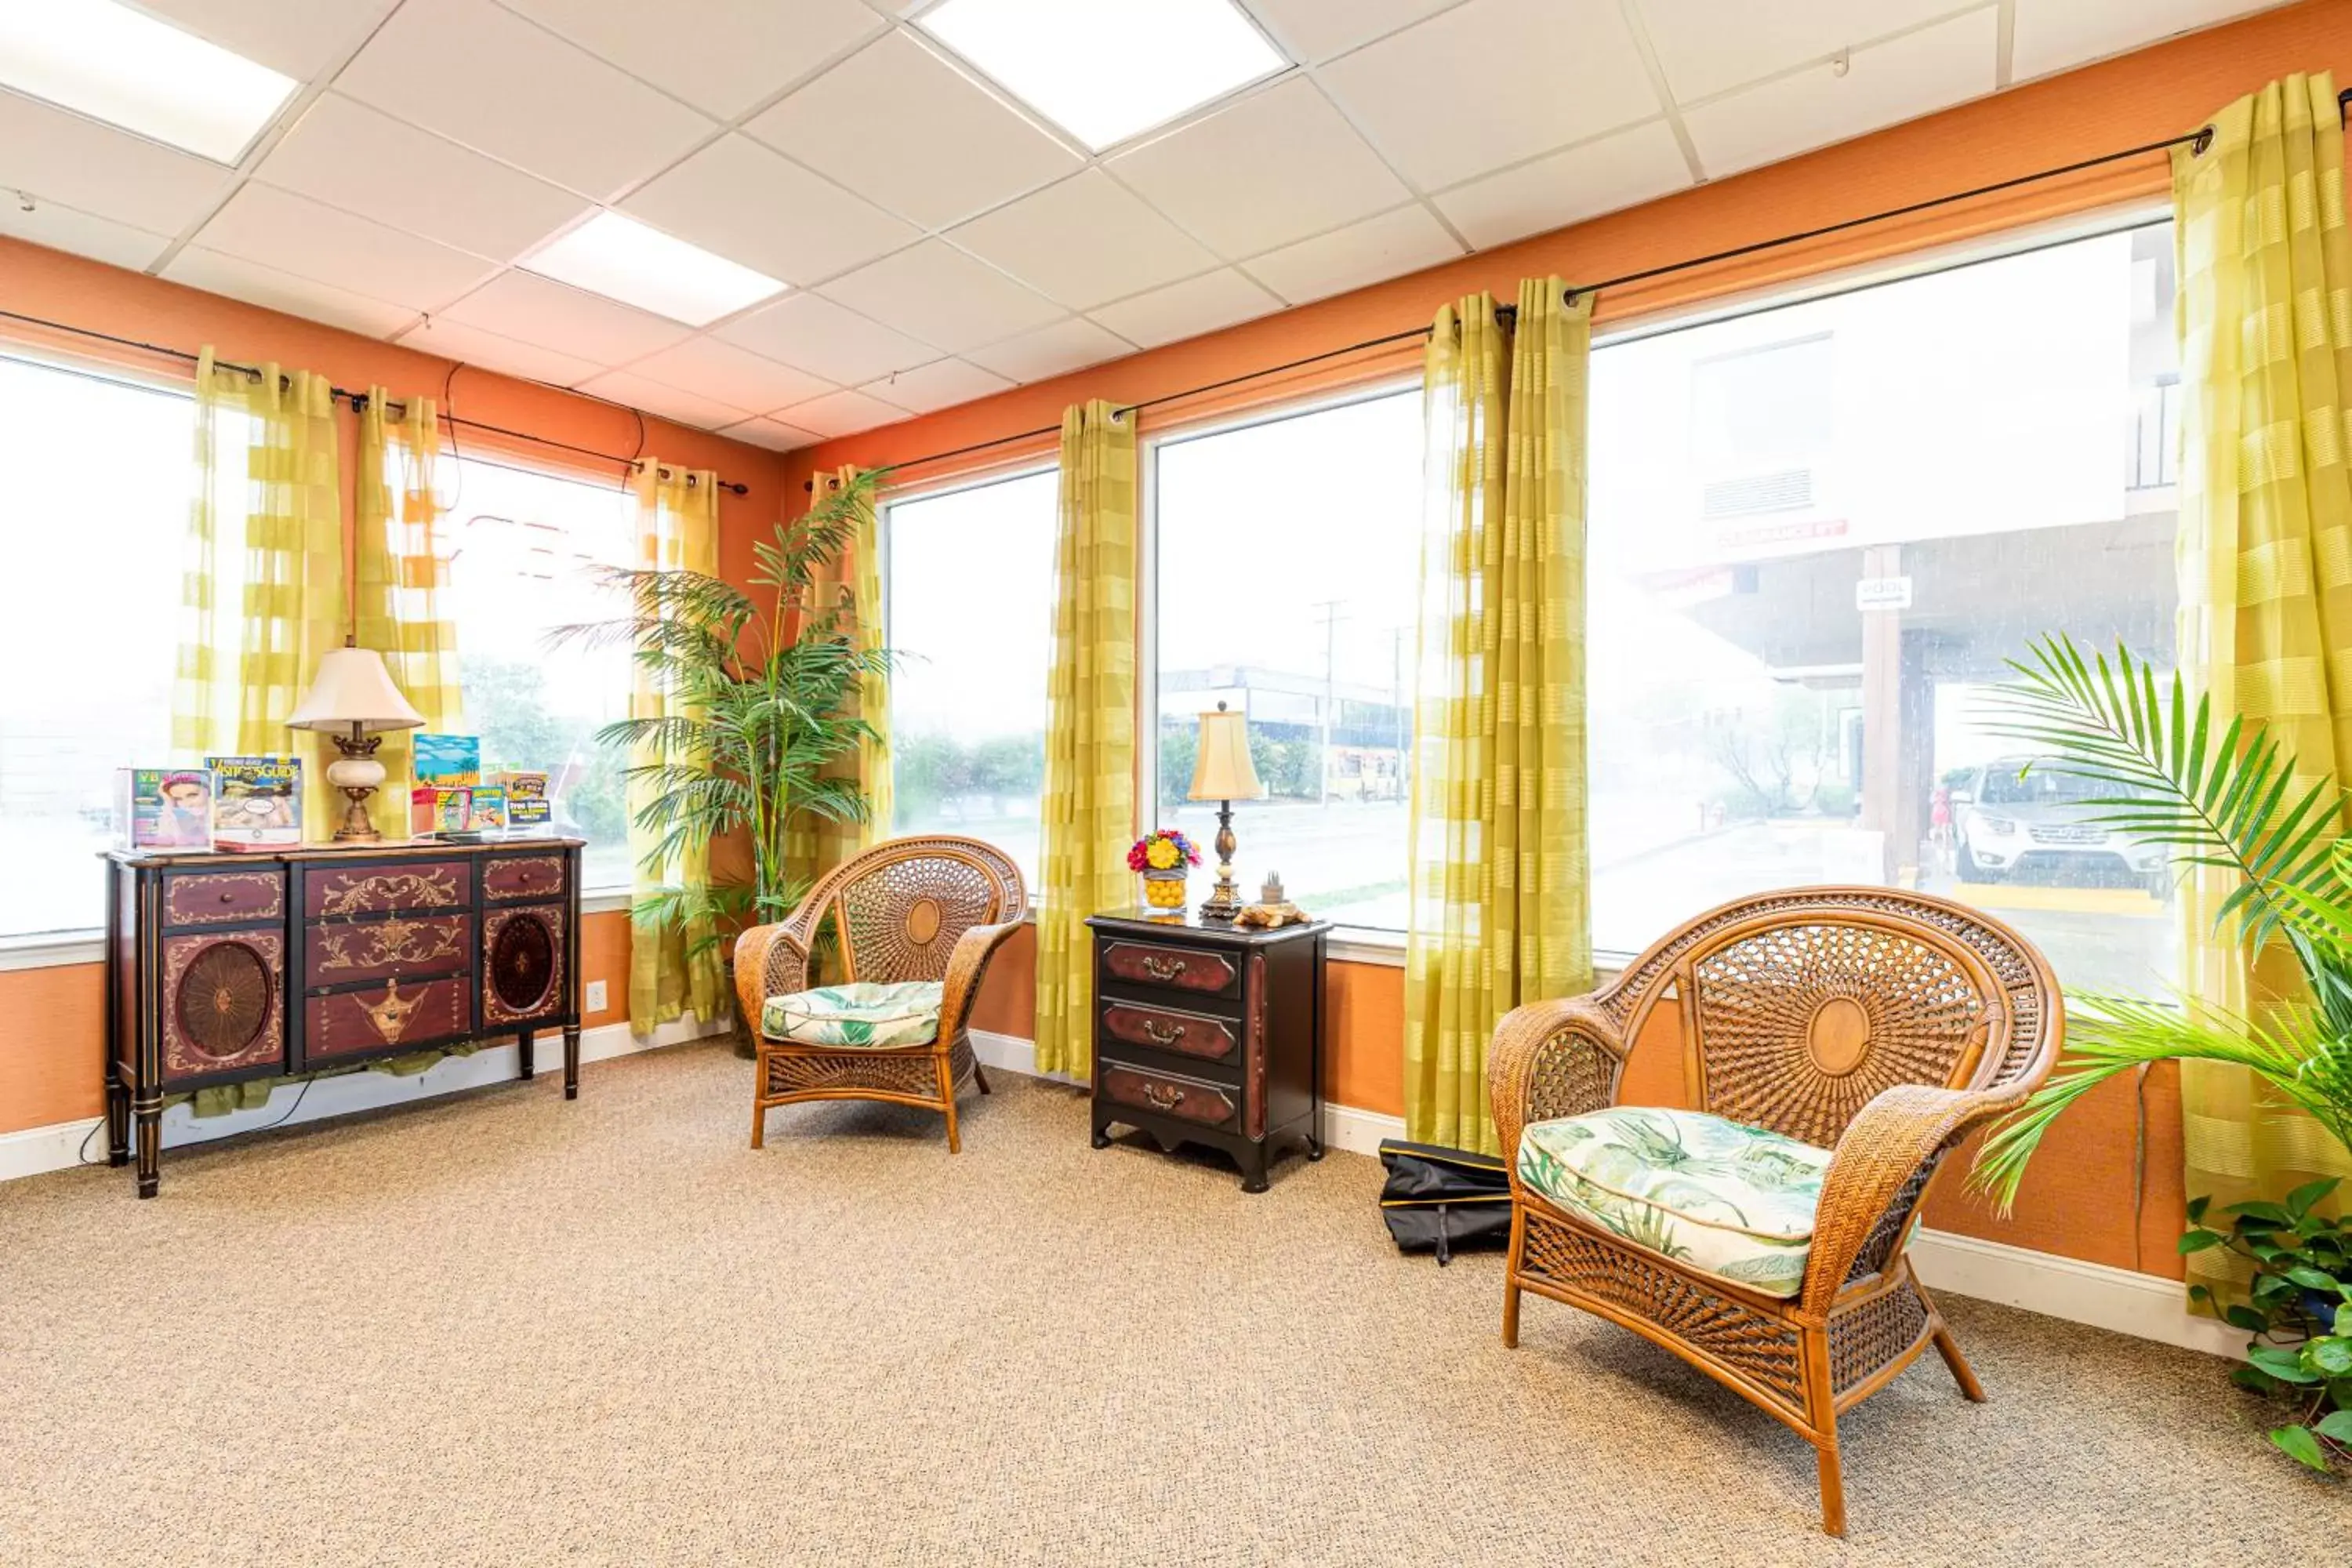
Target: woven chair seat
(1716,1196)
(863,1016)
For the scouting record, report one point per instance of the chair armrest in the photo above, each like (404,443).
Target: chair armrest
(1548,1059)
(966,964)
(770,961)
(1868,1194)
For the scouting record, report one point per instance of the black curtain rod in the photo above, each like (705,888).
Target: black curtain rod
(358,400)
(2199,139)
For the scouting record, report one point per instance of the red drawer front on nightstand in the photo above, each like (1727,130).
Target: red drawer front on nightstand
(426,945)
(1166,1029)
(222,1002)
(397,1013)
(388,889)
(224,897)
(1178,968)
(524,877)
(1184,1099)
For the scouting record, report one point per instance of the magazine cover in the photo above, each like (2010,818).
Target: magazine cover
(447,761)
(257,802)
(164,808)
(526,803)
(445,811)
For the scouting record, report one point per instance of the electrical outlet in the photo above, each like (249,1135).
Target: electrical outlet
(596,997)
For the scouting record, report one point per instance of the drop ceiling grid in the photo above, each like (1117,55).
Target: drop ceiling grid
(1660,34)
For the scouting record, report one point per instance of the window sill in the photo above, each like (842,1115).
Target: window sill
(52,950)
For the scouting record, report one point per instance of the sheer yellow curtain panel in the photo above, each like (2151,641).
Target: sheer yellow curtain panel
(401,573)
(1087,812)
(1499,898)
(678,530)
(814,847)
(2264,548)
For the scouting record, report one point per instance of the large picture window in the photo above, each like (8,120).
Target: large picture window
(969,605)
(1816,534)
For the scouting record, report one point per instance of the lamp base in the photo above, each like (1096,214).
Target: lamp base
(1224,900)
(357,774)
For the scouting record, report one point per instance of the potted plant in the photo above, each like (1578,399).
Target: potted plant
(2223,799)
(759,708)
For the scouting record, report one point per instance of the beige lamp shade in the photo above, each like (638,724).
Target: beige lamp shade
(353,687)
(1220,770)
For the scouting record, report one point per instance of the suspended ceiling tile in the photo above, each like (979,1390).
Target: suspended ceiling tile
(1706,46)
(61,227)
(217,272)
(1084,241)
(1187,309)
(903,128)
(280,229)
(585,326)
(650,397)
(2056,35)
(297,38)
(1389,246)
(485,77)
(1052,350)
(1621,170)
(936,293)
(348,155)
(108,174)
(942,384)
(844,413)
(810,332)
(773,434)
(1278,166)
(509,356)
(750,381)
(1312,31)
(1917,74)
(737,198)
(1491,83)
(720,55)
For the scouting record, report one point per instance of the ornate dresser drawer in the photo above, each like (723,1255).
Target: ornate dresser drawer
(396,946)
(1204,972)
(1178,1033)
(224,898)
(339,892)
(508,877)
(408,1015)
(1189,1099)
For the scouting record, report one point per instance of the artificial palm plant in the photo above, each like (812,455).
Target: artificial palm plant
(761,702)
(2224,798)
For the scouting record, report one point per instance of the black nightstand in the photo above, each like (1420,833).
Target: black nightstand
(1209,1033)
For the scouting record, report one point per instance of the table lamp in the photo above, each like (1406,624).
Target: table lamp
(352,700)
(1222,773)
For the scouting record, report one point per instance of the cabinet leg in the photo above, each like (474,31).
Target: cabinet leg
(523,1041)
(149,1116)
(1253,1170)
(571,1061)
(118,1119)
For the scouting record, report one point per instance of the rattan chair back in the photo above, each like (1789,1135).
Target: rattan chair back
(899,908)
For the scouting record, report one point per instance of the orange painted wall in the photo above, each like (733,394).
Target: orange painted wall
(51,1020)
(2108,1188)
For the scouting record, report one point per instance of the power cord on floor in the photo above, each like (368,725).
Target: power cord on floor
(82,1156)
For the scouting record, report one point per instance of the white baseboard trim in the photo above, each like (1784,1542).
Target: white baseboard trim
(2120,1300)
(59,1147)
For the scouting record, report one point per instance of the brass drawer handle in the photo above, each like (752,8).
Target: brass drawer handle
(1161,968)
(1160,1032)
(1163,1098)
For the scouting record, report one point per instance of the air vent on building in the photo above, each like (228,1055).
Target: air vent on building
(1790,490)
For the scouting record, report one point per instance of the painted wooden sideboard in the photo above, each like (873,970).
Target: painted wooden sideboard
(223,968)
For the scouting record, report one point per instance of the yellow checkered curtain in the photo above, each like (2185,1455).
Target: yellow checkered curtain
(677,529)
(401,572)
(813,847)
(1499,903)
(1088,811)
(266,535)
(2265,544)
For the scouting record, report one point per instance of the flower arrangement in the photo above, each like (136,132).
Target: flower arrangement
(1163,855)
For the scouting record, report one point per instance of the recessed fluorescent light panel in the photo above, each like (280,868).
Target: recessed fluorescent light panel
(121,66)
(1104,69)
(621,259)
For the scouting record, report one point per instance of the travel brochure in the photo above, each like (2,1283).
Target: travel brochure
(257,802)
(164,808)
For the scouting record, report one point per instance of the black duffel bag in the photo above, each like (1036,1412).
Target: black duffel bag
(1444,1200)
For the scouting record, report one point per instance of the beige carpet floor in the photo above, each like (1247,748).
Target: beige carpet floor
(500,1329)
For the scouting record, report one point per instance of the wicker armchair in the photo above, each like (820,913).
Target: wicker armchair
(934,908)
(1949,1020)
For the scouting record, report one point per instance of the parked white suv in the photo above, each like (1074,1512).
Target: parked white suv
(2008,822)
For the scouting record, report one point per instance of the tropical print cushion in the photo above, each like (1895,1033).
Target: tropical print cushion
(867,1015)
(1733,1201)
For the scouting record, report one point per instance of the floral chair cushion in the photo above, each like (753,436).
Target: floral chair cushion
(1730,1200)
(864,1016)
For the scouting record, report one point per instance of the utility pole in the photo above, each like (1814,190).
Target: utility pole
(1331,619)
